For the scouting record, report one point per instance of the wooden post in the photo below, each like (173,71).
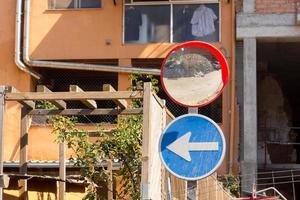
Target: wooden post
(146,142)
(23,191)
(110,181)
(62,171)
(2,113)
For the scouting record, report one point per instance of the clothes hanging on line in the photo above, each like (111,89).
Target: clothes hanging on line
(133,21)
(203,21)
(182,26)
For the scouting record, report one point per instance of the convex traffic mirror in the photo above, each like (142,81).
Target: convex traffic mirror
(194,74)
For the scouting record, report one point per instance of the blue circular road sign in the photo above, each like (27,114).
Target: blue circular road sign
(192,147)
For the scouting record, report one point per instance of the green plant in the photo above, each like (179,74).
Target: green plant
(124,143)
(232,183)
(44,105)
(138,81)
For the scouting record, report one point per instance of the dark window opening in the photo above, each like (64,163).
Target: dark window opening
(150,23)
(196,22)
(278,77)
(60,80)
(73,4)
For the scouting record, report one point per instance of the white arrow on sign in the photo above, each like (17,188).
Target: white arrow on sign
(182,146)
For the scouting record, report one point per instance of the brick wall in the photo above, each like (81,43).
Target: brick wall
(276,6)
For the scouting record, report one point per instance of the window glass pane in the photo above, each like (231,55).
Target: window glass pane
(196,22)
(147,24)
(61,4)
(148,1)
(90,4)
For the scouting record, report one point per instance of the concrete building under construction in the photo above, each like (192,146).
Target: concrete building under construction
(267,83)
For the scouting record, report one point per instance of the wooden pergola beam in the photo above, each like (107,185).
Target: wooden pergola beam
(27,96)
(60,104)
(119,102)
(23,165)
(108,111)
(88,103)
(12,90)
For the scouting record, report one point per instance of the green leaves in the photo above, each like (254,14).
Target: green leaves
(232,183)
(138,81)
(123,143)
(44,105)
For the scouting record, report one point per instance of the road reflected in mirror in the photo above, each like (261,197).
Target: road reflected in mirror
(192,76)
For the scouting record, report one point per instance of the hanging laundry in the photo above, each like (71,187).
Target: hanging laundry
(182,28)
(133,21)
(203,21)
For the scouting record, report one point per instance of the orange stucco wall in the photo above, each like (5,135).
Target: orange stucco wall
(39,190)
(10,75)
(81,34)
(78,34)
(42,144)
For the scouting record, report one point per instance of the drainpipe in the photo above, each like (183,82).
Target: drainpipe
(20,64)
(70,65)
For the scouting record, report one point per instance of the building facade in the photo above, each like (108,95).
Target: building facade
(94,42)
(267,50)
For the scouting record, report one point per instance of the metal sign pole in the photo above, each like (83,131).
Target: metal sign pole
(192,186)
(193,75)
(169,190)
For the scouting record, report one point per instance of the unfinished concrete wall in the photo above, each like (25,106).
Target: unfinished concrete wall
(274,121)
(272,109)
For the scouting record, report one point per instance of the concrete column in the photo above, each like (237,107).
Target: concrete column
(249,6)
(249,137)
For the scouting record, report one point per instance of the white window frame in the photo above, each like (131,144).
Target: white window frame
(171,3)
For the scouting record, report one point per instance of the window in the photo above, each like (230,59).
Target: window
(147,24)
(196,22)
(73,4)
(170,21)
